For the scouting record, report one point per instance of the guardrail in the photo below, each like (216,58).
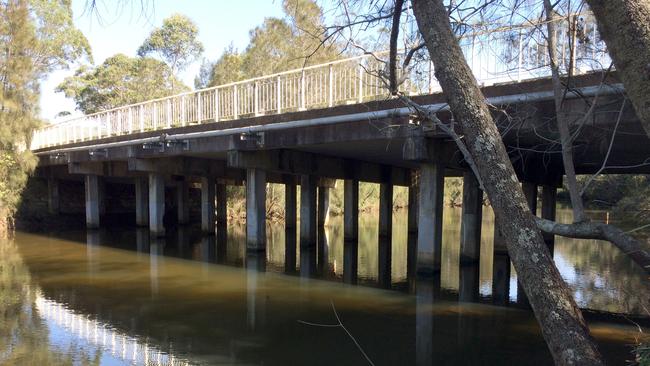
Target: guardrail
(506,55)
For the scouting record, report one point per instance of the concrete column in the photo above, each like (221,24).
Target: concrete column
(350,230)
(500,269)
(412,232)
(549,197)
(183,202)
(323,205)
(141,202)
(290,201)
(53,197)
(472,215)
(430,206)
(102,197)
(92,201)
(255,209)
(207,205)
(156,204)
(307,211)
(222,205)
(385,233)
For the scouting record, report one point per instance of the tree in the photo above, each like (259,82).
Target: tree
(175,42)
(120,80)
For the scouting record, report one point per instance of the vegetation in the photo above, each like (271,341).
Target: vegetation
(276,45)
(120,80)
(38,37)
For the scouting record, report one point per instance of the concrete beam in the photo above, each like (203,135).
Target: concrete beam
(179,166)
(207,205)
(141,202)
(307,211)
(430,207)
(255,210)
(156,204)
(303,163)
(92,201)
(472,215)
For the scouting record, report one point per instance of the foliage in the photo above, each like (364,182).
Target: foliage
(175,42)
(276,45)
(120,80)
(628,195)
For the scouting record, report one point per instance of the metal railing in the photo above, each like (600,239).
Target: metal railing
(506,55)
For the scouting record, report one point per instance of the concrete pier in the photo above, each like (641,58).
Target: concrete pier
(350,230)
(290,217)
(207,205)
(222,206)
(430,206)
(141,202)
(183,202)
(307,211)
(385,234)
(53,196)
(412,232)
(156,204)
(549,198)
(92,201)
(472,215)
(323,205)
(255,209)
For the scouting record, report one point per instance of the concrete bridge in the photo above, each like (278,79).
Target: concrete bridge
(306,128)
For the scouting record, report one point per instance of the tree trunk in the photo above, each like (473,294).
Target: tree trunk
(561,321)
(624,25)
(561,115)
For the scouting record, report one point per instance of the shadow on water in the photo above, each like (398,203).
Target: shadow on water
(122,297)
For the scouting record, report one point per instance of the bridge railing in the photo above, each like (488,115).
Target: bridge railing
(503,55)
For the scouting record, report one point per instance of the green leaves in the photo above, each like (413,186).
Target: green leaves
(175,42)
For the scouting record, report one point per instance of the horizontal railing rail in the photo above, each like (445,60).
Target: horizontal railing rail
(503,55)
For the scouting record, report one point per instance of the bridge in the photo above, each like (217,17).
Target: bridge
(308,127)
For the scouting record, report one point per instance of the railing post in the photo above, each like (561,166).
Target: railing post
(184,110)
(169,113)
(330,99)
(256,96)
(216,105)
(521,57)
(235,100)
(302,91)
(130,119)
(109,127)
(154,117)
(120,127)
(199,115)
(279,94)
(360,83)
(141,117)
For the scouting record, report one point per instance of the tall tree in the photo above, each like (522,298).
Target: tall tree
(120,80)
(175,42)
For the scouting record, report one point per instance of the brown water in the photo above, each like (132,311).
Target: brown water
(116,297)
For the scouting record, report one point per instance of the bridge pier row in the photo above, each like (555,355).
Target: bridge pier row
(92,192)
(156,204)
(350,230)
(183,202)
(549,199)
(53,196)
(385,234)
(222,206)
(530,191)
(207,205)
(430,208)
(470,237)
(141,202)
(290,218)
(255,209)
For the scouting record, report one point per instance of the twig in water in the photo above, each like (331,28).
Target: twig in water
(340,325)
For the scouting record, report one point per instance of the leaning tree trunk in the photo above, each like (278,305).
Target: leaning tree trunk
(561,321)
(625,27)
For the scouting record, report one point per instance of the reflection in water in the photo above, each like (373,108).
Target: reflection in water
(63,303)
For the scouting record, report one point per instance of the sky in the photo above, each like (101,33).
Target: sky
(123,28)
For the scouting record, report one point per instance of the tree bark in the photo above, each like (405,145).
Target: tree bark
(591,230)
(561,321)
(624,25)
(561,116)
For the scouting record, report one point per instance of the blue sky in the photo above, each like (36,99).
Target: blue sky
(124,28)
